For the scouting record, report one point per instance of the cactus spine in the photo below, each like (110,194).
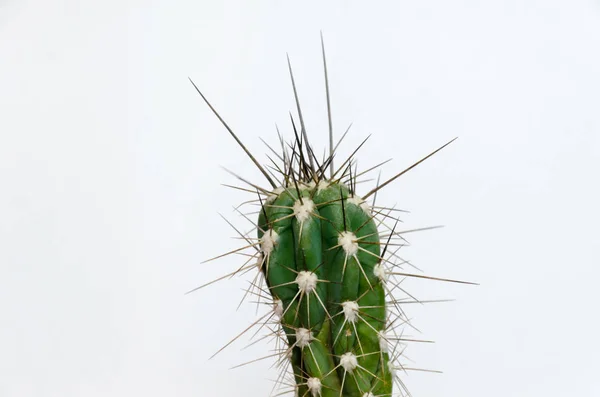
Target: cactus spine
(325,254)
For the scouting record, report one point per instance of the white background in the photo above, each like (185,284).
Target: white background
(110,183)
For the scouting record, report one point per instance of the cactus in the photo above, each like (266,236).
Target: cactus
(321,259)
(330,264)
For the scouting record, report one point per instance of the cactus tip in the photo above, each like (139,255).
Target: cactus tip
(307,281)
(359,202)
(348,242)
(380,272)
(348,361)
(274,194)
(383,341)
(268,241)
(314,386)
(303,337)
(278,308)
(303,209)
(350,309)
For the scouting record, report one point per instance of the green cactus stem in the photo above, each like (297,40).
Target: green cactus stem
(321,259)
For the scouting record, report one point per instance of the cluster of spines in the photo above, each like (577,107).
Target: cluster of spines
(320,254)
